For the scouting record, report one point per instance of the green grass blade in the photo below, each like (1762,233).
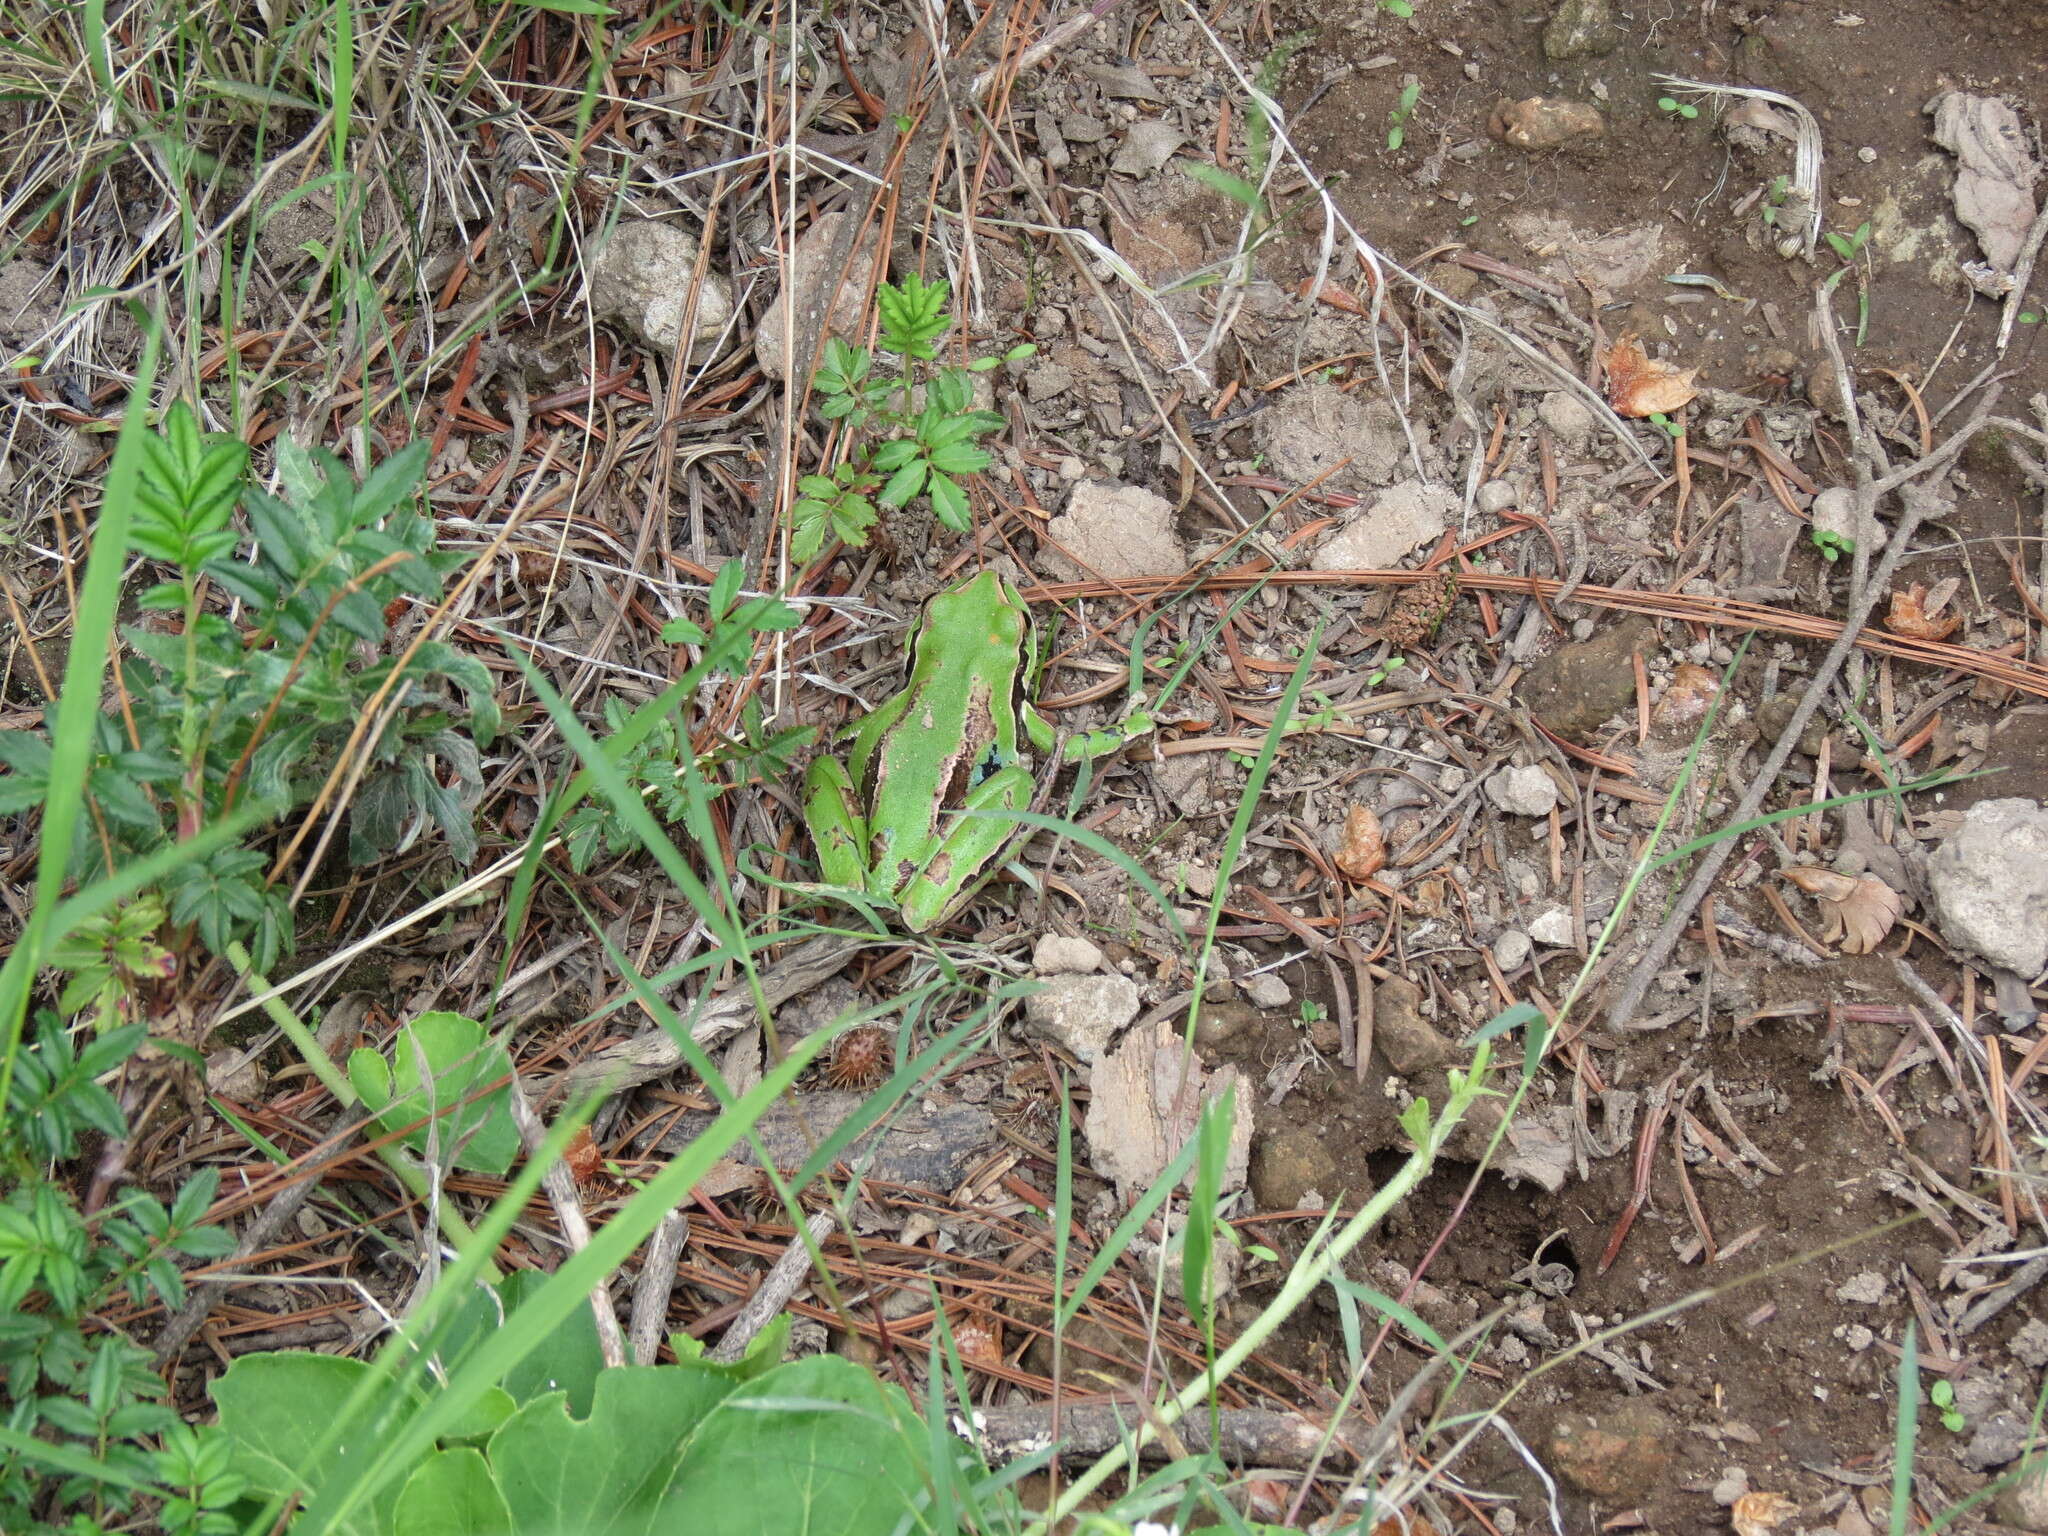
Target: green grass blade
(78,704)
(1906,1432)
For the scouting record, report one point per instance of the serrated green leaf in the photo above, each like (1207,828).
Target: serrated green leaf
(949,503)
(904,484)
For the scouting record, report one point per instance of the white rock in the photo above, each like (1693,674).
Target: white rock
(1511,948)
(1553,928)
(1569,418)
(1863,1290)
(1058,955)
(1523,791)
(1989,883)
(642,278)
(1266,991)
(1397,521)
(807,277)
(1834,511)
(1081,1014)
(1114,531)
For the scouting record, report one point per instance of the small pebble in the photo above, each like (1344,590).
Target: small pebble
(1496,496)
(1058,955)
(1510,949)
(1867,155)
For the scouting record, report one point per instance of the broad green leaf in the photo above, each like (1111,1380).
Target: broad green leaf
(611,1474)
(275,1408)
(437,1062)
(453,1494)
(817,1447)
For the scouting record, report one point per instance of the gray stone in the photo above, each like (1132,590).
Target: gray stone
(807,278)
(1834,511)
(1866,1289)
(1523,791)
(1989,883)
(643,276)
(1553,929)
(930,1145)
(1079,128)
(1051,145)
(2023,1503)
(2030,1344)
(1410,1043)
(1580,29)
(1265,990)
(1996,1442)
(1511,948)
(1081,1014)
(1112,531)
(1289,1166)
(1056,954)
(1397,521)
(1570,419)
(1147,147)
(1048,381)
(1495,497)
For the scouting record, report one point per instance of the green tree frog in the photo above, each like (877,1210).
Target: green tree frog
(887,820)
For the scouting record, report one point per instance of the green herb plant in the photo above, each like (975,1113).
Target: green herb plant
(1665,424)
(1851,248)
(1682,111)
(1943,1396)
(895,447)
(1832,546)
(1403,109)
(249,673)
(1774,200)
(70,1378)
(1401,8)
(654,763)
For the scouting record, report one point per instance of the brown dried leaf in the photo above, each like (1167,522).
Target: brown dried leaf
(1916,614)
(1758,1514)
(1364,848)
(979,1337)
(1860,909)
(583,1156)
(1686,699)
(1641,385)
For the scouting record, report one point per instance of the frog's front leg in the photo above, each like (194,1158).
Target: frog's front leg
(1089,745)
(837,827)
(968,853)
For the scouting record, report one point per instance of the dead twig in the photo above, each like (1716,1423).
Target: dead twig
(1866,587)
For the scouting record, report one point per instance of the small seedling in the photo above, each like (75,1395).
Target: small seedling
(1312,1013)
(1832,546)
(1400,8)
(1676,108)
(1404,108)
(1774,199)
(1849,247)
(1660,420)
(2028,317)
(1943,1395)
